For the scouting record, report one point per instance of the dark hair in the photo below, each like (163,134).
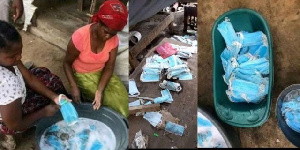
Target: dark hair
(8,33)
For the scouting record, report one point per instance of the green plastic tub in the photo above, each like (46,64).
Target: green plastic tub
(240,114)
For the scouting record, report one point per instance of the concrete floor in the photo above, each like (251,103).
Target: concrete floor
(283,17)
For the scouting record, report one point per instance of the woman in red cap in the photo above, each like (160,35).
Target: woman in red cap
(90,59)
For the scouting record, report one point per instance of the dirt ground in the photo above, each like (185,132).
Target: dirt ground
(283,17)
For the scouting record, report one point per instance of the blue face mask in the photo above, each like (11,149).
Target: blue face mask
(68,111)
(166,97)
(225,57)
(260,51)
(148,103)
(291,112)
(174,128)
(174,71)
(245,91)
(261,65)
(185,76)
(174,61)
(254,78)
(244,58)
(149,77)
(231,65)
(54,141)
(84,137)
(229,35)
(172,86)
(133,91)
(164,63)
(251,39)
(96,145)
(154,118)
(184,55)
(135,103)
(153,71)
(187,49)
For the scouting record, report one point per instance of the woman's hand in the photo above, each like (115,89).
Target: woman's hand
(97,101)
(75,92)
(17,6)
(56,100)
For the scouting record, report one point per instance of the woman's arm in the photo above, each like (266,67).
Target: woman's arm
(71,55)
(106,74)
(108,70)
(12,115)
(35,84)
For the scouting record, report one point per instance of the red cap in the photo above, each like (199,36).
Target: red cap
(113,13)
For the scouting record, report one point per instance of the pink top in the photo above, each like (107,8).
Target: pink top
(88,61)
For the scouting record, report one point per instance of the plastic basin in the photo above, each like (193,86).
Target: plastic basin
(112,119)
(230,136)
(239,114)
(291,135)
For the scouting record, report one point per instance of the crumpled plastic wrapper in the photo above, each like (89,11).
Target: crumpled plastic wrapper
(140,141)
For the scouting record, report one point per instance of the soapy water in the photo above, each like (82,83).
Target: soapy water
(86,134)
(208,135)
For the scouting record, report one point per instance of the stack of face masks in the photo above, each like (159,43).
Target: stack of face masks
(152,69)
(175,69)
(291,112)
(245,61)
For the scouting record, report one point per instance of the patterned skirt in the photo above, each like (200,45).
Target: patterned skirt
(34,101)
(114,96)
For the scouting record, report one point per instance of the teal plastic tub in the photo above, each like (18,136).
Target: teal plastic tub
(240,114)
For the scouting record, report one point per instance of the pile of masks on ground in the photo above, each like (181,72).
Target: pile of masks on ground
(291,111)
(192,40)
(208,135)
(246,63)
(168,61)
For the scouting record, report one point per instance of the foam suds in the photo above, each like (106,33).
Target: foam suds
(86,134)
(208,134)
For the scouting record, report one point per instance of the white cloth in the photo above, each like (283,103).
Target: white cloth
(4,10)
(12,86)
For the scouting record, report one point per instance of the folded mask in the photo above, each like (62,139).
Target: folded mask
(174,128)
(172,86)
(133,91)
(149,77)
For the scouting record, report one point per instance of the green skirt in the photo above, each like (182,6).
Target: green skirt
(114,96)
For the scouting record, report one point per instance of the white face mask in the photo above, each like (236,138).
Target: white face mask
(133,91)
(170,86)
(153,117)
